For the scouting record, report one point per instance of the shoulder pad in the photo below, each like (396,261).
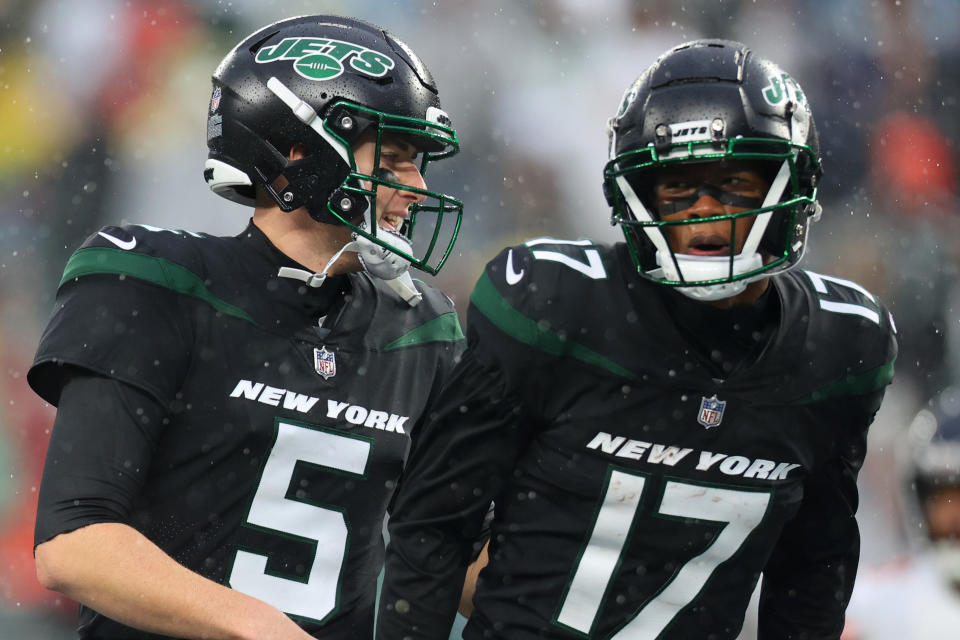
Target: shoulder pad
(845,297)
(135,250)
(543,294)
(180,261)
(544,272)
(853,326)
(84,331)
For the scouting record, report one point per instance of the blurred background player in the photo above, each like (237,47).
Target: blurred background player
(697,424)
(233,412)
(917,597)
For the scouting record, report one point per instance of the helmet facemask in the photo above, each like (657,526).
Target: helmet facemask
(713,101)
(775,242)
(437,216)
(353,200)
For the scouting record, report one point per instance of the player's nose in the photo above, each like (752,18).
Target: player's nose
(413,178)
(705,206)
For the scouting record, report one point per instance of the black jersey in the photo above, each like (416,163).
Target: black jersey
(289,412)
(640,490)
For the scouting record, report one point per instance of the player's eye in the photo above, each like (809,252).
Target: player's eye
(738,183)
(675,188)
(399,151)
(731,182)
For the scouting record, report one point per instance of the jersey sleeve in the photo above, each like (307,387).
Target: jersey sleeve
(103,439)
(460,460)
(457,466)
(114,317)
(809,578)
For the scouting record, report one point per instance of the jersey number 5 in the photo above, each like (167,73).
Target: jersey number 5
(741,511)
(317,596)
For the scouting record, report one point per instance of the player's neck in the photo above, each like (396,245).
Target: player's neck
(304,240)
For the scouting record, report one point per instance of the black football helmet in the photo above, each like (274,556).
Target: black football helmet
(323,81)
(712,101)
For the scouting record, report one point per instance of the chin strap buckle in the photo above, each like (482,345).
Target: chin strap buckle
(314,280)
(390,267)
(403,286)
(376,260)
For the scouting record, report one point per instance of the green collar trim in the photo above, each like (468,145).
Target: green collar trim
(488,300)
(443,328)
(101,260)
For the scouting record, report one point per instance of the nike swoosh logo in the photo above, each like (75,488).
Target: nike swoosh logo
(513,276)
(125,245)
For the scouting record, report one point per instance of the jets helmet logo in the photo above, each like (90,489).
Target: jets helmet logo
(324,362)
(783,88)
(324,59)
(711,411)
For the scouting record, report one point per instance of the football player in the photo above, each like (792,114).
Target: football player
(234,412)
(661,422)
(918,595)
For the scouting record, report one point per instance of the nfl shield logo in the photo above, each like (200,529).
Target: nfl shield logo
(711,411)
(215,100)
(324,362)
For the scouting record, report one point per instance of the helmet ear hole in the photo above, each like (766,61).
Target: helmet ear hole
(347,204)
(348,124)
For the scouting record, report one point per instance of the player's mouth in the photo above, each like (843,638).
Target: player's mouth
(708,245)
(392,222)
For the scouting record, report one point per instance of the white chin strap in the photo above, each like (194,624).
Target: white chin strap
(382,263)
(699,268)
(376,260)
(696,268)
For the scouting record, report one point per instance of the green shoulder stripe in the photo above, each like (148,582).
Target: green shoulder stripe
(98,260)
(443,328)
(854,384)
(495,307)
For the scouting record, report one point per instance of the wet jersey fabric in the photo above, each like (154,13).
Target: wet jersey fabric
(285,414)
(641,485)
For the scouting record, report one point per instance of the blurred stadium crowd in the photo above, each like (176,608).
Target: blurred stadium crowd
(102,120)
